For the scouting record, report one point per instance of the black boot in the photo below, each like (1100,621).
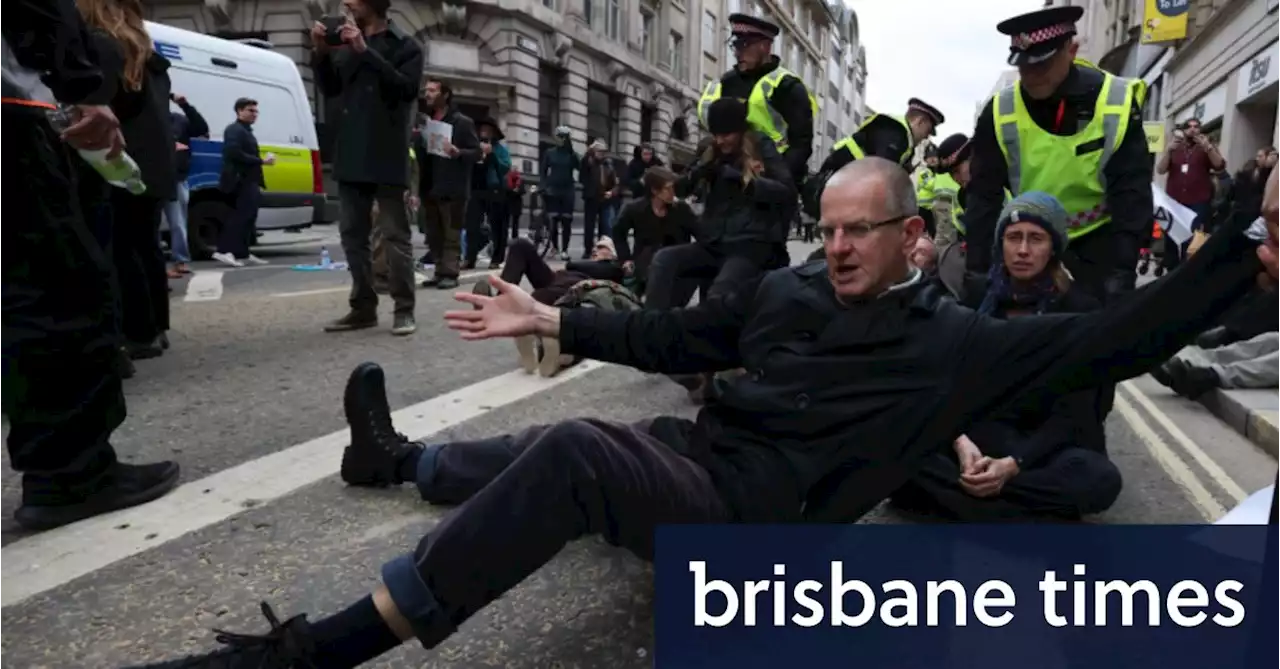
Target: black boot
(1190,382)
(376,448)
(1216,338)
(287,646)
(47,504)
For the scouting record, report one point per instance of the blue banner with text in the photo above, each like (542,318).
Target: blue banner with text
(940,596)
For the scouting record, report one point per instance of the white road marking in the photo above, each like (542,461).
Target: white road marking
(205,286)
(1177,470)
(1212,468)
(48,560)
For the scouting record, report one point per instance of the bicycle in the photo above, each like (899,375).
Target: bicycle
(541,231)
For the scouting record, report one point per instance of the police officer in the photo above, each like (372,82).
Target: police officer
(883,135)
(1072,130)
(778,104)
(947,189)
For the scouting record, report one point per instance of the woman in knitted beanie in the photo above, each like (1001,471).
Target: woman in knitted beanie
(1027,274)
(1030,462)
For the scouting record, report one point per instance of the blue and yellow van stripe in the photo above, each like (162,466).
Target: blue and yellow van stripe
(292,173)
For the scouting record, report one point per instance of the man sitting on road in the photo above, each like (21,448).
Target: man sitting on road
(842,362)
(658,220)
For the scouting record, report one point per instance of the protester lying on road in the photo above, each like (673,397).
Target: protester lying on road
(1195,371)
(549,287)
(842,361)
(1031,462)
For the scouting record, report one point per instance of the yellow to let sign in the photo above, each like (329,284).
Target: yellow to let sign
(1164,20)
(1155,135)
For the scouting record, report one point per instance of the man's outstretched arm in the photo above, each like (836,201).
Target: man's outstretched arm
(1054,355)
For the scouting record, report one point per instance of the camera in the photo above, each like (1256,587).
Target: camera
(333,29)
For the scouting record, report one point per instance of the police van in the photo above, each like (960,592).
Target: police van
(212,74)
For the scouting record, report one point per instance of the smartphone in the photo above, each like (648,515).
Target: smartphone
(333,29)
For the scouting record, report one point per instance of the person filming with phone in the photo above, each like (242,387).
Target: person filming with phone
(1190,162)
(373,69)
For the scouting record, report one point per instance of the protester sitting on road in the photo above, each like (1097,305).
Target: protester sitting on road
(549,286)
(1195,371)
(749,198)
(1036,461)
(843,358)
(659,221)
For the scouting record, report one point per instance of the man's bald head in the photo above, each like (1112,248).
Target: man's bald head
(884,176)
(870,225)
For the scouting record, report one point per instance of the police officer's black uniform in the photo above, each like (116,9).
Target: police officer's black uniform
(1103,261)
(790,98)
(880,136)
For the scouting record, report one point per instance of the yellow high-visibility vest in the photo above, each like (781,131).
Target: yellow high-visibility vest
(761,114)
(1040,160)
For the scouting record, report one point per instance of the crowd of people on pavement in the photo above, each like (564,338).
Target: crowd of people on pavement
(996,298)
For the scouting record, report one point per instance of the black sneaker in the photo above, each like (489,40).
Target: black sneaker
(125,485)
(352,321)
(447,283)
(287,646)
(376,448)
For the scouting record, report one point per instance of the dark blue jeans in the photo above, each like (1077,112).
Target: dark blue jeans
(523,497)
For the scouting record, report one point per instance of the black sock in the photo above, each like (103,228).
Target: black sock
(352,637)
(407,468)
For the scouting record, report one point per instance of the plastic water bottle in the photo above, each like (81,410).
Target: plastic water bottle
(121,171)
(325,260)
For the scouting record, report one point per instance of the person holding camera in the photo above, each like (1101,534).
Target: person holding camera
(373,68)
(1190,161)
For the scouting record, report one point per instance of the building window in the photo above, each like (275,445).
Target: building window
(675,53)
(549,4)
(709,33)
(831,131)
(602,115)
(549,80)
(647,23)
(613,19)
(646,123)
(589,11)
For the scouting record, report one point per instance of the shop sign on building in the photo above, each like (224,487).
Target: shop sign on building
(1208,108)
(1164,20)
(1257,74)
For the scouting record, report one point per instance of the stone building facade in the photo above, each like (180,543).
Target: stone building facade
(617,70)
(624,71)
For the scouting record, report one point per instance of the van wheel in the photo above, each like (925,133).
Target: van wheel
(204,223)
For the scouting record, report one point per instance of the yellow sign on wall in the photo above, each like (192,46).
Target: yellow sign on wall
(1154,131)
(1164,20)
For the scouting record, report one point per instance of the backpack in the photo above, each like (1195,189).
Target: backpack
(600,294)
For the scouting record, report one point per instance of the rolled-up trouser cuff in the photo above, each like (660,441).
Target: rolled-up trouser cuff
(427,468)
(415,601)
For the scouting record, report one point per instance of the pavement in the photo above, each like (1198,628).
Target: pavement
(1252,412)
(249,401)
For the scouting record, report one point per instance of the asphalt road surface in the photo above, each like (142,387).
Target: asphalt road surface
(249,401)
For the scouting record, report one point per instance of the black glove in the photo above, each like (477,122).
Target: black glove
(1119,282)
